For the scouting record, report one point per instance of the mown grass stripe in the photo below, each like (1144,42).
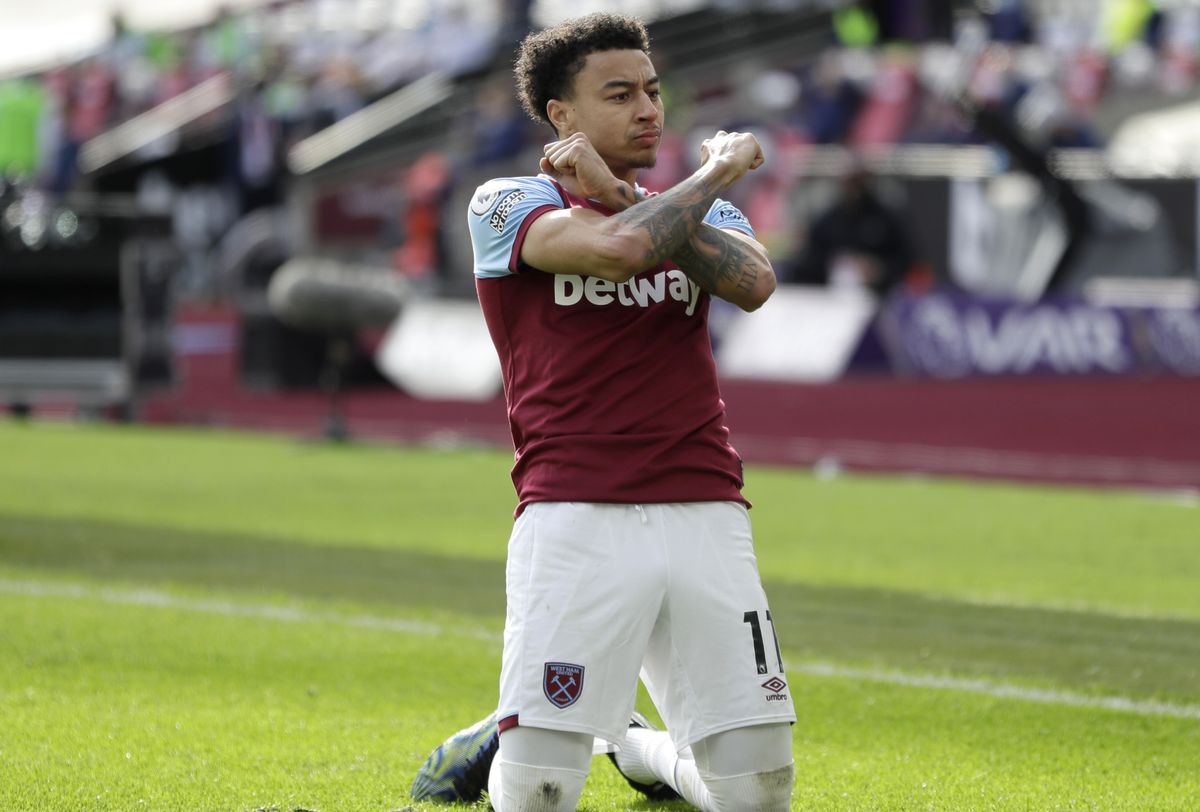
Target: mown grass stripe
(290,614)
(153,598)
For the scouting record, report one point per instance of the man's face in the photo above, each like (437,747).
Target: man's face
(616,104)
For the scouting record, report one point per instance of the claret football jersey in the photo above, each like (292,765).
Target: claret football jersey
(611,388)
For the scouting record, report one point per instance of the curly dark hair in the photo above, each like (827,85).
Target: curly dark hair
(548,61)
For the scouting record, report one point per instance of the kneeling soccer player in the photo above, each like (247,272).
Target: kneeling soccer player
(631,551)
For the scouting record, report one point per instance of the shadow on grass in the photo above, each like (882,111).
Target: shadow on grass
(228,561)
(887,629)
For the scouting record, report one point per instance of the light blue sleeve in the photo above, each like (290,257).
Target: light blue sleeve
(497,210)
(724,214)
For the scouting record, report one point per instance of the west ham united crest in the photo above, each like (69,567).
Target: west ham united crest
(562,683)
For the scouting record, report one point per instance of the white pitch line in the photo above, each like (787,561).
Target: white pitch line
(261,611)
(1000,690)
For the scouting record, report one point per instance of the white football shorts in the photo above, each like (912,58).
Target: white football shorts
(599,592)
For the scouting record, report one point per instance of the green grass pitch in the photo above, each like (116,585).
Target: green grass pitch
(210,621)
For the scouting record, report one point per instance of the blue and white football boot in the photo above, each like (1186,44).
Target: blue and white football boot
(457,770)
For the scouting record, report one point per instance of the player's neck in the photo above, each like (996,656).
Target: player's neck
(571,184)
(628,175)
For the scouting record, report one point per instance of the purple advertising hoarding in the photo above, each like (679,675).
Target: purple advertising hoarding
(950,335)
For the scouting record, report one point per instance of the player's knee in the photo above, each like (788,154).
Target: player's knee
(748,769)
(768,791)
(525,788)
(515,784)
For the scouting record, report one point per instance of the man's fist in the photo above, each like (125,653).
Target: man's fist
(574,156)
(740,151)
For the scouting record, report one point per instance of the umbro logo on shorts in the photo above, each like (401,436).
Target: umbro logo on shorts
(562,683)
(775,689)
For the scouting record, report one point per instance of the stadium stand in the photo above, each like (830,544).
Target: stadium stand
(1038,154)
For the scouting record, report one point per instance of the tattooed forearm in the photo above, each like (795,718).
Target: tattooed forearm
(672,226)
(718,263)
(670,219)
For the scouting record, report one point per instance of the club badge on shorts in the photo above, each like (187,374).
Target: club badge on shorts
(562,683)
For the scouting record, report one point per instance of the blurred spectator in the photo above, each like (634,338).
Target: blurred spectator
(458,40)
(859,242)
(93,100)
(913,20)
(335,93)
(831,102)
(226,44)
(890,104)
(855,25)
(258,164)
(1180,42)
(421,256)
(934,121)
(994,82)
(58,149)
(173,67)
(1126,21)
(1085,81)
(515,22)
(286,99)
(1069,131)
(1007,22)
(132,68)
(390,59)
(498,126)
(22,103)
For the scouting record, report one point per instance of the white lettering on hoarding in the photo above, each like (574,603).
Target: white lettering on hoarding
(950,343)
(1175,336)
(1065,341)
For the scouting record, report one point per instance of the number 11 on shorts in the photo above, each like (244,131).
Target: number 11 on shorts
(760,651)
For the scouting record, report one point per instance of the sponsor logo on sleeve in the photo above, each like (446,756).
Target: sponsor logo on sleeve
(504,208)
(729,215)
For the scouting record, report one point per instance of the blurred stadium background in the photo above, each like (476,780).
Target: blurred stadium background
(251,215)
